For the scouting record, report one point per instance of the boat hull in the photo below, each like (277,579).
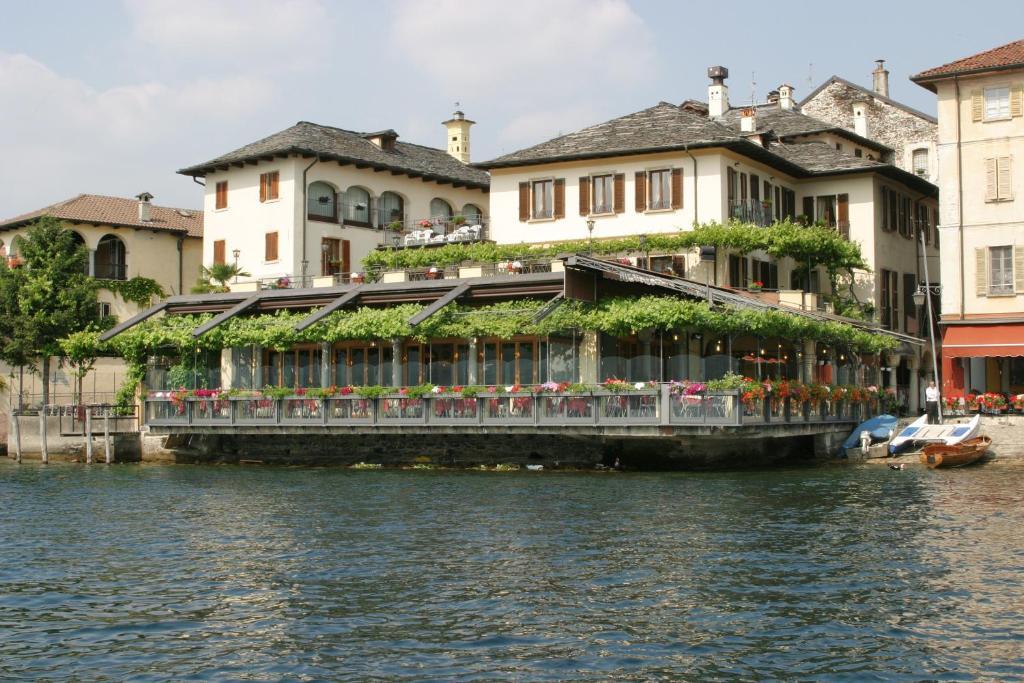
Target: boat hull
(959,455)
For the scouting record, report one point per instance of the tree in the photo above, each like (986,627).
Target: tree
(215,277)
(45,299)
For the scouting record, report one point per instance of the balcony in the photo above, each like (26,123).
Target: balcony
(753,211)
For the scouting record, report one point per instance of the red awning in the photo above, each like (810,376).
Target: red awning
(976,341)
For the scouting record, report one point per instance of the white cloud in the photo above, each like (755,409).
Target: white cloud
(536,125)
(61,136)
(535,48)
(278,32)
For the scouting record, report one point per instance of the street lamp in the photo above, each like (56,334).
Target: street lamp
(590,232)
(920,297)
(323,258)
(236,253)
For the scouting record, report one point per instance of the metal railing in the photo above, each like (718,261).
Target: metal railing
(657,406)
(111,271)
(753,211)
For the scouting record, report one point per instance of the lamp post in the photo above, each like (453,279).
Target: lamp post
(590,233)
(921,296)
(236,253)
(323,258)
(643,248)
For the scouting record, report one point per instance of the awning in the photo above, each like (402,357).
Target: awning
(977,341)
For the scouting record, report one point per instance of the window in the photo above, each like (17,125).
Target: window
(334,254)
(270,247)
(219,252)
(473,214)
(788,203)
(357,206)
(543,199)
(920,162)
(1000,279)
(269,185)
(603,189)
(839,147)
(858,152)
(766,272)
(390,209)
(998,187)
(439,208)
(890,299)
(321,202)
(738,271)
(222,195)
(997,103)
(660,190)
(110,259)
(825,210)
(103,309)
(909,307)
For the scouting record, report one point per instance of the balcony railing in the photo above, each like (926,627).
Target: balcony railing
(654,406)
(111,271)
(753,211)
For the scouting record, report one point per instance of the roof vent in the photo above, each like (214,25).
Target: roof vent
(385,139)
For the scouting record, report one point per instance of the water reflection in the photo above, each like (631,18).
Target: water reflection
(221,573)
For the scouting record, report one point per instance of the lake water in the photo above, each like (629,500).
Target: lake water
(231,573)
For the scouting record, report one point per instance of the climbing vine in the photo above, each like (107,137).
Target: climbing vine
(138,290)
(818,244)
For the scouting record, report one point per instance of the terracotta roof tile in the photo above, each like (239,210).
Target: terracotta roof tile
(1004,56)
(115,211)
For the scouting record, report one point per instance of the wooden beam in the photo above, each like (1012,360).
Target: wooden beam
(433,308)
(133,321)
(226,315)
(343,300)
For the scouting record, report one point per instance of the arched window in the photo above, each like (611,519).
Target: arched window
(473,214)
(79,242)
(110,259)
(439,208)
(357,206)
(390,208)
(322,202)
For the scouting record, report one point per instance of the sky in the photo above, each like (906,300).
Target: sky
(113,96)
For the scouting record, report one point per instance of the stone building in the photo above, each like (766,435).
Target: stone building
(911,134)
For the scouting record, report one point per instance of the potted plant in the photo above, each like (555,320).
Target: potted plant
(1018,403)
(395,226)
(458,220)
(756,286)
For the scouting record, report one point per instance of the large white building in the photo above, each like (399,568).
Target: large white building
(312,200)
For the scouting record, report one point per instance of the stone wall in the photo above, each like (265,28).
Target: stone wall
(889,125)
(1007,432)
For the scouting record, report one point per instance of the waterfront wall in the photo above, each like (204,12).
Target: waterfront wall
(124,447)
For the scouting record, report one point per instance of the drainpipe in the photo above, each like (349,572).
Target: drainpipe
(696,215)
(181,265)
(960,196)
(305,218)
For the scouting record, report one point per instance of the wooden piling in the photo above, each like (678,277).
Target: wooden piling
(16,432)
(88,434)
(44,449)
(106,434)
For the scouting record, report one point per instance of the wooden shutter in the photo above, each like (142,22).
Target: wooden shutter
(559,198)
(677,188)
(1018,269)
(981,271)
(991,186)
(346,257)
(809,209)
(619,196)
(524,202)
(275,179)
(885,209)
(270,247)
(263,186)
(584,196)
(219,252)
(843,215)
(641,191)
(977,105)
(222,195)
(1004,188)
(1017,100)
(755,186)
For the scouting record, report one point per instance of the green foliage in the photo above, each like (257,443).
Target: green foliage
(138,290)
(820,244)
(728,382)
(126,392)
(278,392)
(215,277)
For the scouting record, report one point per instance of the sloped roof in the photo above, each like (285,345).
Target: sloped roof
(820,157)
(1006,56)
(786,123)
(659,128)
(115,211)
(867,92)
(338,144)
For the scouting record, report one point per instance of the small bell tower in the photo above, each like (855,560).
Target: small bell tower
(458,135)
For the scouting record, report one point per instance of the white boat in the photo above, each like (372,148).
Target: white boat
(920,432)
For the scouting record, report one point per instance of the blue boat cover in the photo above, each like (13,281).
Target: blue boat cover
(879,426)
(960,430)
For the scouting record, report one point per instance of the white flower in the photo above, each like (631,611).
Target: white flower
(436,390)
(639,385)
(508,389)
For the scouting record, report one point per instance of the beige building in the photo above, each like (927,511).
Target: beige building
(665,168)
(980,149)
(125,238)
(313,200)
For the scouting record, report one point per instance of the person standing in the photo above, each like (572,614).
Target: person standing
(931,403)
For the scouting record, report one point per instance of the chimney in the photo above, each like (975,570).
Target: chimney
(860,118)
(144,207)
(458,135)
(718,91)
(786,97)
(881,78)
(385,139)
(773,97)
(748,120)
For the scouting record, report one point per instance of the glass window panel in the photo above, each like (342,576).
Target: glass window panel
(321,200)
(490,364)
(341,368)
(412,365)
(525,363)
(439,208)
(442,361)
(357,205)
(603,194)
(997,103)
(462,366)
(386,366)
(543,206)
(373,365)
(508,363)
(358,367)
(288,369)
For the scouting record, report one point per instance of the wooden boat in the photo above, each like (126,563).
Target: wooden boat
(920,432)
(964,453)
